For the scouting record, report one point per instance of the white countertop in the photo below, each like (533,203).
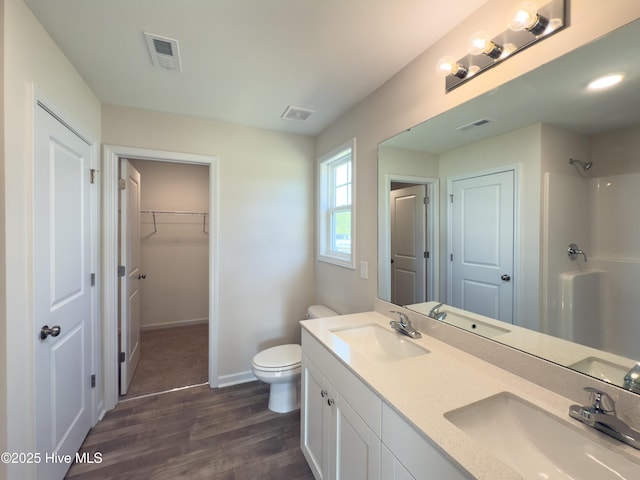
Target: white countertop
(425,387)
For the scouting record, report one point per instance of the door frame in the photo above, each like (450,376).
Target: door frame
(384,233)
(515,168)
(110,158)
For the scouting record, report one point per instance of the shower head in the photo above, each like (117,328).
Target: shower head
(585,165)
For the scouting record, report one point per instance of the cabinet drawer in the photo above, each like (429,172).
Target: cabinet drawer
(421,458)
(361,398)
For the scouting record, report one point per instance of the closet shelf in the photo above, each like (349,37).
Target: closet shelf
(174,217)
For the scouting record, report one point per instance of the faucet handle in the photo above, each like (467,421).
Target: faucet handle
(404,320)
(600,400)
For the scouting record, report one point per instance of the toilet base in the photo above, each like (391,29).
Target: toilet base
(284,397)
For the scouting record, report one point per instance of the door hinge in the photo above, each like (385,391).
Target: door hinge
(92,175)
(122,183)
(121,271)
(93,381)
(93,279)
(122,357)
(451,198)
(426,200)
(451,257)
(426,254)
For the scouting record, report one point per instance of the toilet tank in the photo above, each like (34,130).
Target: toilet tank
(319,311)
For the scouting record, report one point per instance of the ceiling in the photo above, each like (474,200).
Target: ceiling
(245,61)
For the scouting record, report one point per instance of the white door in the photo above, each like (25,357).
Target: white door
(63,296)
(483,245)
(130,273)
(408,245)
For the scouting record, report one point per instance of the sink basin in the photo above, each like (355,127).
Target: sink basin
(376,343)
(602,369)
(473,325)
(539,445)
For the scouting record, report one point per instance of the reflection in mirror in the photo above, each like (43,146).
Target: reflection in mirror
(570,157)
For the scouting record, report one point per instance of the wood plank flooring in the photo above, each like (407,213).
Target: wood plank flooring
(196,433)
(170,358)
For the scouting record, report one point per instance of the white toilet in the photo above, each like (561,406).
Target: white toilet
(280,367)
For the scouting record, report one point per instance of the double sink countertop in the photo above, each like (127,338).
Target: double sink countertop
(423,388)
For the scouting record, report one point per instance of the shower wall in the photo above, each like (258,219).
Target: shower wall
(598,212)
(176,257)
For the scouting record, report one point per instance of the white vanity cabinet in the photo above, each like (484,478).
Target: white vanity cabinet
(336,441)
(391,468)
(413,456)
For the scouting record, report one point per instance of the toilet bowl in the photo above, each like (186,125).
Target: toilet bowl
(281,366)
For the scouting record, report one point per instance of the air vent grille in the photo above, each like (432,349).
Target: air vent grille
(162,47)
(163,51)
(474,124)
(297,114)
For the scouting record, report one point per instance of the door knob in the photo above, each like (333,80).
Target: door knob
(46,331)
(506,277)
(142,276)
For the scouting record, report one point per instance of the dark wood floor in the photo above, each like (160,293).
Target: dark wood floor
(197,433)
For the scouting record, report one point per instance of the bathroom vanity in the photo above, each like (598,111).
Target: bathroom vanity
(380,405)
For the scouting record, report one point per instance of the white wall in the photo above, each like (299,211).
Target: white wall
(30,57)
(174,256)
(416,94)
(266,225)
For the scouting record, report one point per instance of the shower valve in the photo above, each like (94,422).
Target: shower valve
(573,251)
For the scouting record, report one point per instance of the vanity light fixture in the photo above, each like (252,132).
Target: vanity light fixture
(527,25)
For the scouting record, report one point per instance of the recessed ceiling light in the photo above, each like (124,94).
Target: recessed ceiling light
(606,81)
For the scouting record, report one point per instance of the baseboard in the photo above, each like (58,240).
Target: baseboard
(236,378)
(177,323)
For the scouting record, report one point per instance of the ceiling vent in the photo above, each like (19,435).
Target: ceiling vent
(297,114)
(164,52)
(477,123)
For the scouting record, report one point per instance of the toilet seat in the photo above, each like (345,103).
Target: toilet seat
(278,359)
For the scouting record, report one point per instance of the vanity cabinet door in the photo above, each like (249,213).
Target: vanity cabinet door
(355,448)
(391,468)
(418,455)
(315,420)
(336,442)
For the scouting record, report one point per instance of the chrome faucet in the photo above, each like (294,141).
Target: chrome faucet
(603,419)
(632,379)
(436,314)
(404,326)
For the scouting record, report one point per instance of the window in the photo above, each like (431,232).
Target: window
(336,213)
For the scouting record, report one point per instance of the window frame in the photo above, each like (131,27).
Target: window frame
(327,210)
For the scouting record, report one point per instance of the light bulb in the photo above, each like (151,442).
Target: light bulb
(449,66)
(481,43)
(525,16)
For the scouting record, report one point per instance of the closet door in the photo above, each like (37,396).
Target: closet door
(130,273)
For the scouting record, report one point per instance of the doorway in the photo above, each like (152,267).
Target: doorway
(165,235)
(409,253)
(419,213)
(110,235)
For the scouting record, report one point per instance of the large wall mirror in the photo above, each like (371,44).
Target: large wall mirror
(536,185)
